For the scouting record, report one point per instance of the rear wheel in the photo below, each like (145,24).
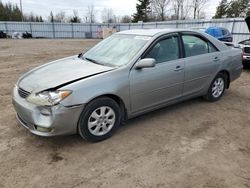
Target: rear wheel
(99,120)
(217,88)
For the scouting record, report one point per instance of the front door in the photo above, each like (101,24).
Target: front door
(150,87)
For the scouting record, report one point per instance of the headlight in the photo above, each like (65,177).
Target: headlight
(48,98)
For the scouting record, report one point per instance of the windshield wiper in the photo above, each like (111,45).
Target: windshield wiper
(93,61)
(98,62)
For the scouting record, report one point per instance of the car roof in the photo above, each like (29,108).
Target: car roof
(151,32)
(216,27)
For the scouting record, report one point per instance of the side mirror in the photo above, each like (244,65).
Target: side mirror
(145,63)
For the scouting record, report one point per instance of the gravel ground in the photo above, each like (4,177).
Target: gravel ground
(192,144)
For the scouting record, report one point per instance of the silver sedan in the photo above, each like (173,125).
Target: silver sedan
(128,74)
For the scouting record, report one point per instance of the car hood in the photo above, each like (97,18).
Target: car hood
(59,73)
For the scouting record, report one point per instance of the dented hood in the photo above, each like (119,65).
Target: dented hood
(60,72)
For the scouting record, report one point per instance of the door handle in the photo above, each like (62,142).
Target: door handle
(178,68)
(216,59)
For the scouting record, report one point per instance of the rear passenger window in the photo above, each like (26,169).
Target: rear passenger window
(194,45)
(165,50)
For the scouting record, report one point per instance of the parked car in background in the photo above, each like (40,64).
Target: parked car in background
(128,74)
(3,34)
(245,46)
(220,33)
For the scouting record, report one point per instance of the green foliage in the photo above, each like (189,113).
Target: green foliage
(142,11)
(9,12)
(221,10)
(233,9)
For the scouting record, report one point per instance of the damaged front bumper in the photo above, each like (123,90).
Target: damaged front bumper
(46,121)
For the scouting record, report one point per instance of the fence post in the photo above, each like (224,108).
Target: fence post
(232,30)
(142,25)
(155,24)
(72,30)
(129,26)
(6,27)
(53,30)
(31,28)
(90,28)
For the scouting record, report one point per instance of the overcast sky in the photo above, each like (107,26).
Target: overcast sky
(120,7)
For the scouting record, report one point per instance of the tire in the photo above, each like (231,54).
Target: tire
(99,120)
(217,88)
(246,65)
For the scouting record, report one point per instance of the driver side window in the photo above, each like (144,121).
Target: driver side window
(165,50)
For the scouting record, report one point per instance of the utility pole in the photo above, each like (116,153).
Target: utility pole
(21,8)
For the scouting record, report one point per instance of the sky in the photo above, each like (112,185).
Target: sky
(120,7)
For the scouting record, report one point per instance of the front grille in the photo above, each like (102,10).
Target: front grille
(247,50)
(23,93)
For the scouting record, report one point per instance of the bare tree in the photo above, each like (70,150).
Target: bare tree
(178,8)
(75,18)
(159,7)
(181,9)
(108,16)
(126,19)
(51,17)
(60,17)
(197,7)
(90,16)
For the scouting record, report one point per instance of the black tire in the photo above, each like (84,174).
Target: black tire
(209,96)
(83,129)
(246,65)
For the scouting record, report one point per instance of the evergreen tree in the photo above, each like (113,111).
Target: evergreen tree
(142,11)
(221,10)
(238,8)
(11,12)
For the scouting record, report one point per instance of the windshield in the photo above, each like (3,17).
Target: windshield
(116,50)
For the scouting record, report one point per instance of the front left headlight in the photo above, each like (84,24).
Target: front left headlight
(48,98)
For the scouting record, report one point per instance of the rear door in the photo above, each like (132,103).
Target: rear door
(202,60)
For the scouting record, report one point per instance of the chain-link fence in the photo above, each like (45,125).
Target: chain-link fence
(236,26)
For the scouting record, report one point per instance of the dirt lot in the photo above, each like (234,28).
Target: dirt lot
(192,144)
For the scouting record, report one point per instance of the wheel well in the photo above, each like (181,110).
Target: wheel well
(119,102)
(226,73)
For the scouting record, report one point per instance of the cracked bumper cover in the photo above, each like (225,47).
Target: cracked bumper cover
(46,121)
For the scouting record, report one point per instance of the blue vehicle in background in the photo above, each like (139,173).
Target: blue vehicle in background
(220,33)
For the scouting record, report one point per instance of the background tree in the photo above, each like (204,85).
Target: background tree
(60,17)
(221,10)
(197,7)
(238,8)
(90,16)
(75,18)
(10,12)
(108,16)
(51,17)
(178,6)
(143,9)
(159,7)
(126,19)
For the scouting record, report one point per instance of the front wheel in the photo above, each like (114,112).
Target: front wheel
(217,88)
(99,120)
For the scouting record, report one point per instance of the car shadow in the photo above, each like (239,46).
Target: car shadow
(57,142)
